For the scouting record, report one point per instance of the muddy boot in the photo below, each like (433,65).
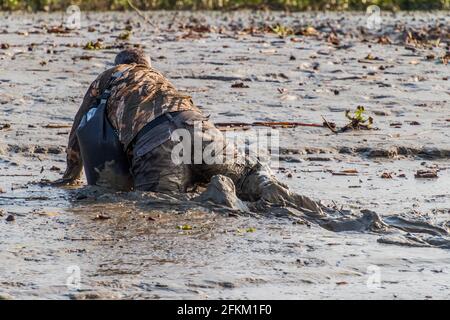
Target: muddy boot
(221,191)
(262,187)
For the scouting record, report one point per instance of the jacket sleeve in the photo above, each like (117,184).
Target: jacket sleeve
(74,160)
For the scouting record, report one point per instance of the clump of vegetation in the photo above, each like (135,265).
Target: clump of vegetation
(445,58)
(184,227)
(357,120)
(250,230)
(51,5)
(93,45)
(309,31)
(126,35)
(281,31)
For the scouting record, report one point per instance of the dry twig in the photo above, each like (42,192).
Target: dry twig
(141,14)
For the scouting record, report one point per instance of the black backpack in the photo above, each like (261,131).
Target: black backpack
(104,159)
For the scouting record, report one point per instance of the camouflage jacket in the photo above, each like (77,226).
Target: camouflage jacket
(139,94)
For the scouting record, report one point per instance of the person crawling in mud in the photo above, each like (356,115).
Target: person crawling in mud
(122,134)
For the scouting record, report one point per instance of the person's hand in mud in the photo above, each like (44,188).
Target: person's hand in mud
(71,175)
(64,182)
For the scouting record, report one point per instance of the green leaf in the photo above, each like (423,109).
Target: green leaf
(184,227)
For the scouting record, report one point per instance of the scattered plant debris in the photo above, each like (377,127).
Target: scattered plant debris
(281,31)
(184,227)
(98,45)
(240,85)
(426,174)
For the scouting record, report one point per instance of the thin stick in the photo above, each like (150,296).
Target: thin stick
(139,12)
(329,125)
(336,206)
(25,198)
(175,16)
(268,124)
(287,124)
(57,126)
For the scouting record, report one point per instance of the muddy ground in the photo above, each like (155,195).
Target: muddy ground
(157,247)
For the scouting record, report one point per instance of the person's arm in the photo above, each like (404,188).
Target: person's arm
(74,160)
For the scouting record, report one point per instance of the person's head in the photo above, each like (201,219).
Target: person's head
(129,56)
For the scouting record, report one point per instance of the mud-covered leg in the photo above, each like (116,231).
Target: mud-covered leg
(155,171)
(260,185)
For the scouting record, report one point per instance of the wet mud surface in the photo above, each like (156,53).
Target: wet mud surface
(153,246)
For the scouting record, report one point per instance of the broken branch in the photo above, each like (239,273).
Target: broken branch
(283,124)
